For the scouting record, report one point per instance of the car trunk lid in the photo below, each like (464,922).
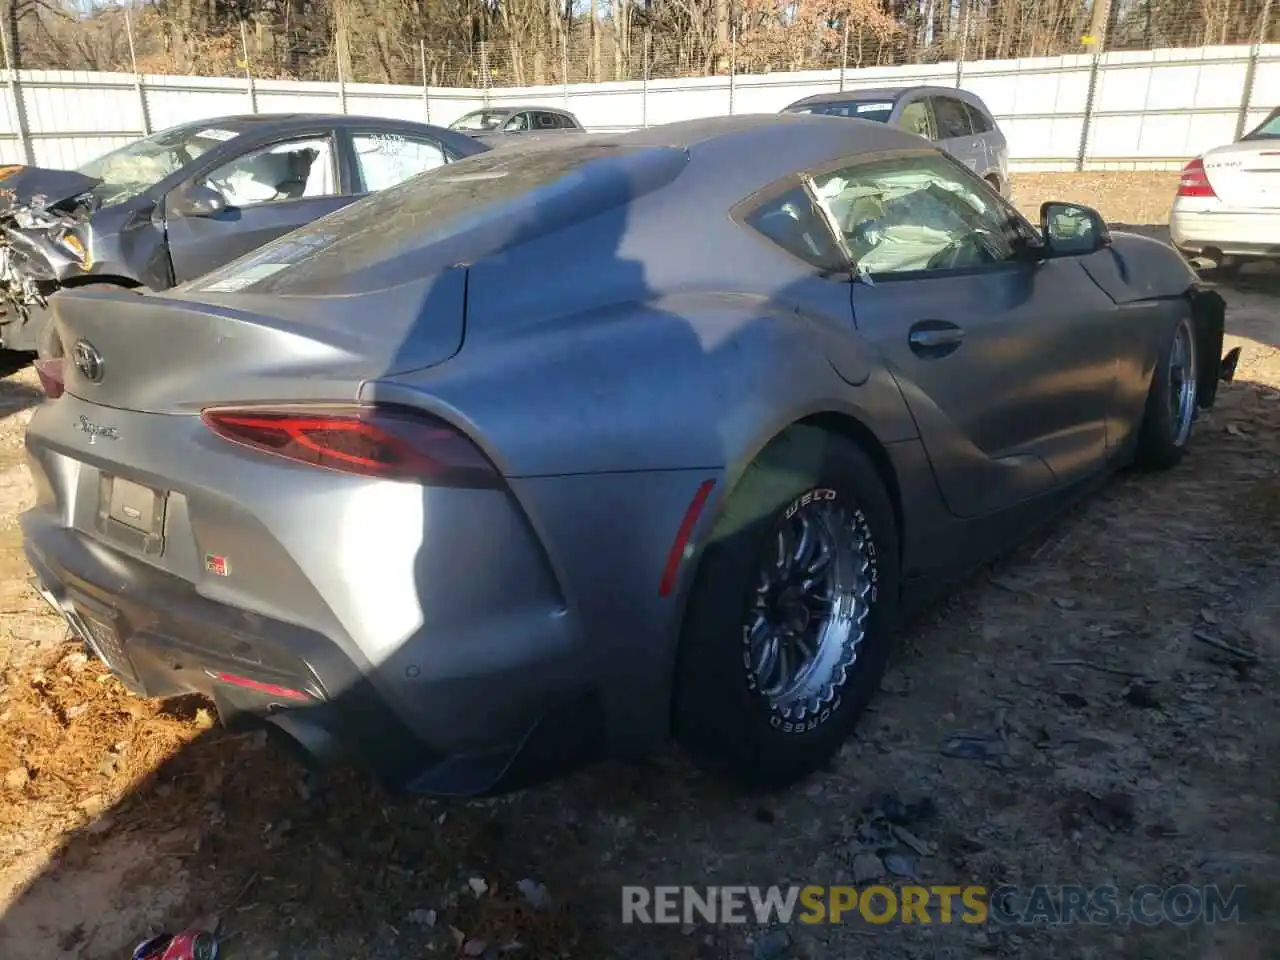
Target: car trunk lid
(1246,174)
(168,354)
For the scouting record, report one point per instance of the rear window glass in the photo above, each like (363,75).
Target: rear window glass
(791,221)
(1269,129)
(449,215)
(877,110)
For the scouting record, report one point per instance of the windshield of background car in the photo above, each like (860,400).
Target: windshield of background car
(877,110)
(480,120)
(1269,129)
(132,169)
(453,214)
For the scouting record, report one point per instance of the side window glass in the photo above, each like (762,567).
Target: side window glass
(564,123)
(836,109)
(915,119)
(951,118)
(791,221)
(518,122)
(282,171)
(916,213)
(980,122)
(385,159)
(545,121)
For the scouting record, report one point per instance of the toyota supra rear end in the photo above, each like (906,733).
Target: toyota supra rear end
(547,455)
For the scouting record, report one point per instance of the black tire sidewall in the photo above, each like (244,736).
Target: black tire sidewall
(719,716)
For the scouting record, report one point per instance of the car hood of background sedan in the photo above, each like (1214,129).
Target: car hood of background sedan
(41,187)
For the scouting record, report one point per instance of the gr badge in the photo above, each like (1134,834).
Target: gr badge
(218,566)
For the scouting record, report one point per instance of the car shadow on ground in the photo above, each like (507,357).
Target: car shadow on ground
(15,394)
(333,865)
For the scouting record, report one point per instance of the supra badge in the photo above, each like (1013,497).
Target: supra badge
(96,430)
(218,566)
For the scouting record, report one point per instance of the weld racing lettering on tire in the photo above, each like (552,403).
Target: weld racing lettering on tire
(859,520)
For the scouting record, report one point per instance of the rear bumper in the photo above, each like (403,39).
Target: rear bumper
(263,673)
(1252,234)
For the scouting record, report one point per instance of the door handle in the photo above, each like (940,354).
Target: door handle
(934,339)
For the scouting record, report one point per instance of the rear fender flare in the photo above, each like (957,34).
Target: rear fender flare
(846,422)
(1208,313)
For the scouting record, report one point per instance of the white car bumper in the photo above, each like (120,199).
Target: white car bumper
(1197,226)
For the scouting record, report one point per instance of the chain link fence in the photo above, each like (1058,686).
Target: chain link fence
(519,43)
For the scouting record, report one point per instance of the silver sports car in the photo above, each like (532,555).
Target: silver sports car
(545,456)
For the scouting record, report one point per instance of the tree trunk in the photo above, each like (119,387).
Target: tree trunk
(720,57)
(595,41)
(1099,17)
(342,38)
(11,35)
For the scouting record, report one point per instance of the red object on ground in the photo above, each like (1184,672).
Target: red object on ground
(187,945)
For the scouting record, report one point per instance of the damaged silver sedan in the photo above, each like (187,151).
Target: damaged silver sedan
(174,205)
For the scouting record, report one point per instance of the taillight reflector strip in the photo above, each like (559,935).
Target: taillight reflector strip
(270,689)
(676,555)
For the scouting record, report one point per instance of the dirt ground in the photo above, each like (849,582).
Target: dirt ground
(1120,670)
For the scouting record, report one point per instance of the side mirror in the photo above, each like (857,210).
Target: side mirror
(1072,230)
(196,200)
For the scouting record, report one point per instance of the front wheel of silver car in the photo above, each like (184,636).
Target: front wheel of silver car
(1172,401)
(788,627)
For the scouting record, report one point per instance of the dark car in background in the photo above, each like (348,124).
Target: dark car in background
(956,120)
(180,202)
(495,125)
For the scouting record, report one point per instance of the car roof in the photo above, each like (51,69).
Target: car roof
(281,122)
(636,189)
(517,108)
(824,137)
(892,94)
(733,157)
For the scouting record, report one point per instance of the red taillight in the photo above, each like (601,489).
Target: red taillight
(50,374)
(1195,182)
(370,441)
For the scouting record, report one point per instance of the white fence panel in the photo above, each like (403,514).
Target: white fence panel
(175,100)
(297,96)
(1128,110)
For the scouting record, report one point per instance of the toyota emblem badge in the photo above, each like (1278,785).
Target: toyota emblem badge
(88,360)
